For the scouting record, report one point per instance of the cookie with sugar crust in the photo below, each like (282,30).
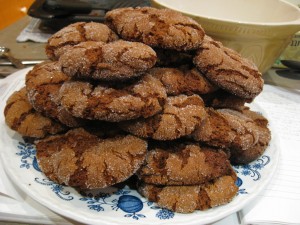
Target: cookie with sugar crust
(227,128)
(76,33)
(43,83)
(189,198)
(118,60)
(21,117)
(183,163)
(81,159)
(239,156)
(183,81)
(228,70)
(180,116)
(142,97)
(161,28)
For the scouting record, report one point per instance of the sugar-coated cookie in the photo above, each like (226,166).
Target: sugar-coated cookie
(239,156)
(180,116)
(119,60)
(81,159)
(43,83)
(226,128)
(23,118)
(228,70)
(183,163)
(76,33)
(162,28)
(187,199)
(142,98)
(183,81)
(223,99)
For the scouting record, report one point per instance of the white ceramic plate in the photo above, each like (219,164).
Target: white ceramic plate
(126,206)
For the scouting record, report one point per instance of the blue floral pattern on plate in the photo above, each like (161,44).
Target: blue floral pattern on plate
(129,204)
(253,169)
(122,199)
(28,158)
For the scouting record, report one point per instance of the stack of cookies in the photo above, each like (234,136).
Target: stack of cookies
(147,94)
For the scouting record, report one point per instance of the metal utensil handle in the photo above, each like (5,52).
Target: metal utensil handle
(16,62)
(25,62)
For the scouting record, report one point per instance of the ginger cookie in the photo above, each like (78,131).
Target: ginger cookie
(187,199)
(21,117)
(228,70)
(223,99)
(119,60)
(43,83)
(76,33)
(180,116)
(141,98)
(183,81)
(239,156)
(161,28)
(81,159)
(226,128)
(183,163)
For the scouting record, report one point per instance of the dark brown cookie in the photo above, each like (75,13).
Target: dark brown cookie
(183,163)
(173,58)
(223,99)
(228,70)
(43,83)
(119,60)
(181,115)
(226,128)
(21,117)
(187,199)
(83,160)
(183,81)
(239,156)
(162,28)
(76,33)
(142,98)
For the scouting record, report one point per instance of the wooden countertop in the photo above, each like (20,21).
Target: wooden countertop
(21,50)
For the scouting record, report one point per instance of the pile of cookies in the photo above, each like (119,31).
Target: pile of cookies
(147,94)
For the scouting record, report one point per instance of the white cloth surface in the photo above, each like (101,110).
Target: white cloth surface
(279,203)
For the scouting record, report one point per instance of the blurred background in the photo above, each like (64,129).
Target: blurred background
(12,11)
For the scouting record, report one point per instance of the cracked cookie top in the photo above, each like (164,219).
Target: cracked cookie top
(183,81)
(83,160)
(43,83)
(21,117)
(227,128)
(228,70)
(119,60)
(187,199)
(240,156)
(142,98)
(183,163)
(76,33)
(161,28)
(181,115)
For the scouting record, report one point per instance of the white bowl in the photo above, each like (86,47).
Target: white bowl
(258,29)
